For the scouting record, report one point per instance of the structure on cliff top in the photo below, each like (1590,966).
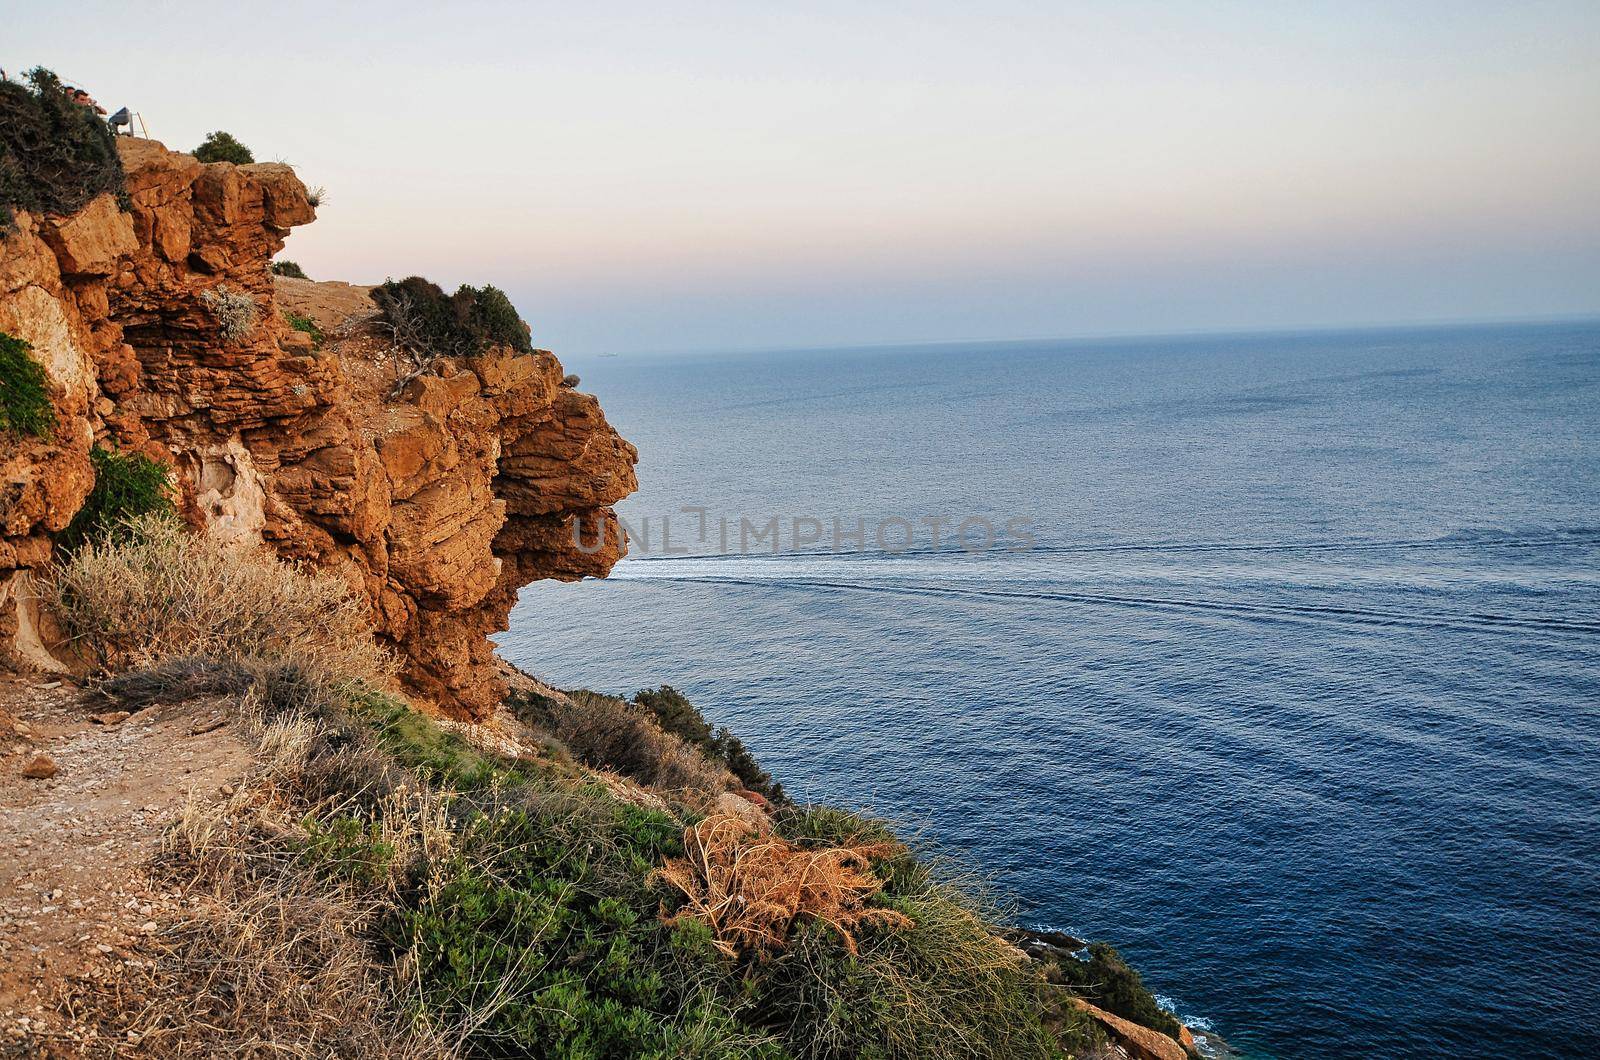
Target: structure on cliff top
(437,507)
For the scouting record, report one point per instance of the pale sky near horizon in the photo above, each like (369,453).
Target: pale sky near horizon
(722,176)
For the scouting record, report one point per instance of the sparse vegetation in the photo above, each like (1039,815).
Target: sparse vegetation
(381,887)
(153,591)
(305,324)
(25,408)
(223,147)
(425,325)
(234,312)
(127,487)
(317,196)
(289,268)
(55,155)
(571,380)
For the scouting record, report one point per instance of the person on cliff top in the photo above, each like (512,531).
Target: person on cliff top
(82,99)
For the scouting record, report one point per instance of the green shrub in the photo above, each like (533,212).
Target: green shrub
(543,933)
(464,324)
(126,487)
(55,156)
(222,147)
(289,268)
(681,718)
(25,407)
(305,324)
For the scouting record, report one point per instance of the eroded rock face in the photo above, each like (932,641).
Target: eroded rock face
(437,507)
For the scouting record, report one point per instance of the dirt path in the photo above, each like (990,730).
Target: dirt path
(75,898)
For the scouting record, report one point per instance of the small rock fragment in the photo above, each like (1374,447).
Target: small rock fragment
(43,767)
(111,717)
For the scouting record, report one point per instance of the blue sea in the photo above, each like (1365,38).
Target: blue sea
(1287,682)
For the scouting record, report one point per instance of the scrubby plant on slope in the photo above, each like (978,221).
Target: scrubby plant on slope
(223,147)
(609,733)
(55,155)
(234,312)
(304,323)
(752,887)
(154,591)
(1107,980)
(25,407)
(683,719)
(127,487)
(290,269)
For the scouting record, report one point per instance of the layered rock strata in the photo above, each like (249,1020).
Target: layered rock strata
(160,331)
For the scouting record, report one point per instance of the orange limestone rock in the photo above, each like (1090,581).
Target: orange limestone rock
(161,329)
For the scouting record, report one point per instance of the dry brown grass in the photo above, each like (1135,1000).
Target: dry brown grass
(609,733)
(161,592)
(272,960)
(751,887)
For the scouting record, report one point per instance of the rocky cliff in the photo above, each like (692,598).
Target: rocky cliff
(437,505)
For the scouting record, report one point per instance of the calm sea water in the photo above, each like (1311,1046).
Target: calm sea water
(1295,697)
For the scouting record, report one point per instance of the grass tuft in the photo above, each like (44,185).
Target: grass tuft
(155,592)
(307,325)
(234,312)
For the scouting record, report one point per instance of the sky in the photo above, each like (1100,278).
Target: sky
(651,177)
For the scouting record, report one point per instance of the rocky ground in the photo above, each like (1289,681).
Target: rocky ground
(85,795)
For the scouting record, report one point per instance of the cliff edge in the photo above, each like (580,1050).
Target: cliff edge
(160,331)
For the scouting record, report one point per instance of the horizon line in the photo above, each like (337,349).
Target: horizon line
(1584,317)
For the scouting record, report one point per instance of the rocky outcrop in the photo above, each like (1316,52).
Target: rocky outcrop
(437,506)
(1140,1043)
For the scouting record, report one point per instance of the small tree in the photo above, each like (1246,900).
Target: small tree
(222,147)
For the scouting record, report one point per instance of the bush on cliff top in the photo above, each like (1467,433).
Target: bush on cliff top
(223,147)
(289,268)
(55,156)
(463,324)
(25,407)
